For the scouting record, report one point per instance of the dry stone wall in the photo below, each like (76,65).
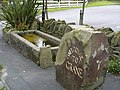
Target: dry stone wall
(114,41)
(55,28)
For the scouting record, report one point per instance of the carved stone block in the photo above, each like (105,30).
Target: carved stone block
(82,60)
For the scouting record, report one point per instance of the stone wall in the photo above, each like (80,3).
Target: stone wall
(113,40)
(55,28)
(25,47)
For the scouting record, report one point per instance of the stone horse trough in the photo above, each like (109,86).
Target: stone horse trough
(40,47)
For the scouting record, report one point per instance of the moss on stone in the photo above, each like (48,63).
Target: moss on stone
(66,41)
(55,28)
(32,37)
(45,57)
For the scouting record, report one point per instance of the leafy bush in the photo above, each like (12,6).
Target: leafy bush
(20,14)
(3,88)
(114,66)
(1,66)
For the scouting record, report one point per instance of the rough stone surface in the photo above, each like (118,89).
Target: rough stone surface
(6,34)
(45,57)
(82,60)
(55,28)
(25,47)
(82,27)
(30,50)
(114,41)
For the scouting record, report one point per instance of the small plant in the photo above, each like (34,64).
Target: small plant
(1,70)
(114,65)
(3,88)
(20,14)
(1,66)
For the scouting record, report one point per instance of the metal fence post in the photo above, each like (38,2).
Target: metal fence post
(43,11)
(82,14)
(81,17)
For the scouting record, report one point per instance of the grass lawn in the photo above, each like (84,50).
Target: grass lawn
(102,3)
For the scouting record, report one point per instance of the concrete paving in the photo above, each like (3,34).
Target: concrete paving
(23,74)
(102,16)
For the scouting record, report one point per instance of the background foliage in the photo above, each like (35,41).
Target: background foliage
(19,14)
(102,0)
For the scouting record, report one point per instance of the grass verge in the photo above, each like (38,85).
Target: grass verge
(64,8)
(102,3)
(90,4)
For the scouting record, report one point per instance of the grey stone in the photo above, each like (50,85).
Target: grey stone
(55,28)
(27,48)
(45,57)
(106,30)
(114,41)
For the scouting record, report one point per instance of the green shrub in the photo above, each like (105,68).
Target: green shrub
(114,65)
(20,14)
(3,88)
(1,66)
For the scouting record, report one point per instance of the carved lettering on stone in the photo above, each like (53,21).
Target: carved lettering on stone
(74,62)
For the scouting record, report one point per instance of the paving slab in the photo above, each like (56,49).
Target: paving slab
(23,74)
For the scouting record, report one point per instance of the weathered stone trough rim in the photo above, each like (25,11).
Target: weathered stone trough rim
(42,34)
(25,41)
(27,48)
